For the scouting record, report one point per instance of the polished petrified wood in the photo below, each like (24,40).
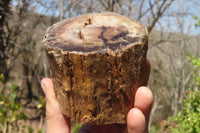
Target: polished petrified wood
(97,62)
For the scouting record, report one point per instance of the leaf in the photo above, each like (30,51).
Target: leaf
(2,78)
(196,17)
(39,106)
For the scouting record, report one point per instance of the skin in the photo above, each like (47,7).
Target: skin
(137,118)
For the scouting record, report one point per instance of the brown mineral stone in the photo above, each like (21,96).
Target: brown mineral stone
(97,62)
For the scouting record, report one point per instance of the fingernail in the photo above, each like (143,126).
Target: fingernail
(145,91)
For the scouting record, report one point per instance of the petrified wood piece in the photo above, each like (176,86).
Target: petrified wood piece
(97,62)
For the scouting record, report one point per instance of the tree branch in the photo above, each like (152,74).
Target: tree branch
(159,13)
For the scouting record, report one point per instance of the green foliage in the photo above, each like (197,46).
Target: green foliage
(30,130)
(198,21)
(42,103)
(10,109)
(2,78)
(188,119)
(196,64)
(154,129)
(77,127)
(40,131)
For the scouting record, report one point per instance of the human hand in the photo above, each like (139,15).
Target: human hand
(137,118)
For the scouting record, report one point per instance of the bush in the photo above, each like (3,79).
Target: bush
(10,108)
(188,119)
(12,115)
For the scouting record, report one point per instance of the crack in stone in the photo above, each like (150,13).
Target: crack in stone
(85,24)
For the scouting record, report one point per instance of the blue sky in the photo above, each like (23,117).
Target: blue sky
(187,21)
(167,23)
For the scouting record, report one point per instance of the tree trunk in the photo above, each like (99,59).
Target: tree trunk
(4,11)
(97,62)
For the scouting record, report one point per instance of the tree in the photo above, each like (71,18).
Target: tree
(188,119)
(171,74)
(22,43)
(4,12)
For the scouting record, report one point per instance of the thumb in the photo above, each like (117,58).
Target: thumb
(56,121)
(52,106)
(136,122)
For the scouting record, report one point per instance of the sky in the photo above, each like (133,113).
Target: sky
(171,21)
(187,21)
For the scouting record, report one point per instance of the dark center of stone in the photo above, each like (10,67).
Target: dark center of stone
(86,34)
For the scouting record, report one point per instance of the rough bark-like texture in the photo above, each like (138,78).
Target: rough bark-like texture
(97,62)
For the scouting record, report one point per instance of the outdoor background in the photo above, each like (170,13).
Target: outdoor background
(174,53)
